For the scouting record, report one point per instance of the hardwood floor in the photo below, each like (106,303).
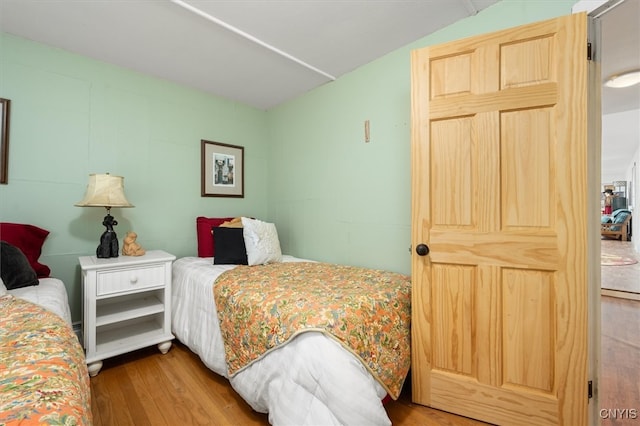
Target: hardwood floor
(620,338)
(147,388)
(620,368)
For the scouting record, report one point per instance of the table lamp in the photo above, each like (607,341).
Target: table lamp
(105,190)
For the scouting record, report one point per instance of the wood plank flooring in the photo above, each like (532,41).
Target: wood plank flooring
(620,368)
(147,388)
(620,337)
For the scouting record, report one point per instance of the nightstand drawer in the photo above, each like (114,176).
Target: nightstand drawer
(130,279)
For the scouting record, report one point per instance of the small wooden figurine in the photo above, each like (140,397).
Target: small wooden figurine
(130,247)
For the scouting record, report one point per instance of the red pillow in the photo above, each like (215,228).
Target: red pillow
(29,239)
(205,236)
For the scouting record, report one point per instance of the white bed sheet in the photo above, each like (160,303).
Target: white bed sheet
(51,294)
(311,380)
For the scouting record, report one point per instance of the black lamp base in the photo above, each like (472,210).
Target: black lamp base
(109,240)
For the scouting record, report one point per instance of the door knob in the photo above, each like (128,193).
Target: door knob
(422,249)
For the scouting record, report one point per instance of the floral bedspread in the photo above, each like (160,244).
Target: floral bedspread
(367,311)
(43,375)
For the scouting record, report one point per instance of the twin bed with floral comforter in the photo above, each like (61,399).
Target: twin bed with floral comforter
(306,342)
(43,375)
(364,310)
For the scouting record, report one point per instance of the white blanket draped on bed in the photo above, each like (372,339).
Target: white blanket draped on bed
(50,294)
(310,381)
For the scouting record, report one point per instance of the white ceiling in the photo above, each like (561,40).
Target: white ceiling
(265,52)
(166,39)
(620,52)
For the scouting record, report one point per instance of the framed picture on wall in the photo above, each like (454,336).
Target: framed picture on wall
(222,170)
(5,107)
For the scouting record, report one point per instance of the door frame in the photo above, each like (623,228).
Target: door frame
(594,157)
(595,10)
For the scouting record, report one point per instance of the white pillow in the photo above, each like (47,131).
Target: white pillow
(261,241)
(3,288)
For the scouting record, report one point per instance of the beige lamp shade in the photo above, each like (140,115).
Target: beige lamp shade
(105,190)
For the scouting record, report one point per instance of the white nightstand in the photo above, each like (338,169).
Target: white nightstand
(127,305)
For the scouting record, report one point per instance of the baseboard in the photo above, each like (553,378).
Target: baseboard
(77,329)
(620,294)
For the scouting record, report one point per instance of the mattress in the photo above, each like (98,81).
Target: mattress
(310,380)
(51,294)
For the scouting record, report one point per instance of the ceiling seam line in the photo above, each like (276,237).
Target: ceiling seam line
(250,37)
(471,8)
(605,8)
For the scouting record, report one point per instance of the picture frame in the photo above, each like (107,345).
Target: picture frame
(5,110)
(222,170)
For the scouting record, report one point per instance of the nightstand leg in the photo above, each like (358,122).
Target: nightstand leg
(94,368)
(164,347)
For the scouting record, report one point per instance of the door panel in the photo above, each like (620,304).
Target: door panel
(499,166)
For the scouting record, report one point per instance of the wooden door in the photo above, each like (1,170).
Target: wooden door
(499,196)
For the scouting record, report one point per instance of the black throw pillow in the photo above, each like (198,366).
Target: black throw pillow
(15,270)
(230,248)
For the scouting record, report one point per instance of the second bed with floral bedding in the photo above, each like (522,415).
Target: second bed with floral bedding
(305,351)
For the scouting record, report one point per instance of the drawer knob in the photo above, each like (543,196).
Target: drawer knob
(133,280)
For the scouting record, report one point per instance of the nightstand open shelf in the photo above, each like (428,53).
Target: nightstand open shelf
(117,309)
(127,305)
(129,335)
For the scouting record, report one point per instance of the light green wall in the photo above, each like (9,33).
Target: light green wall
(72,116)
(332,196)
(339,199)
